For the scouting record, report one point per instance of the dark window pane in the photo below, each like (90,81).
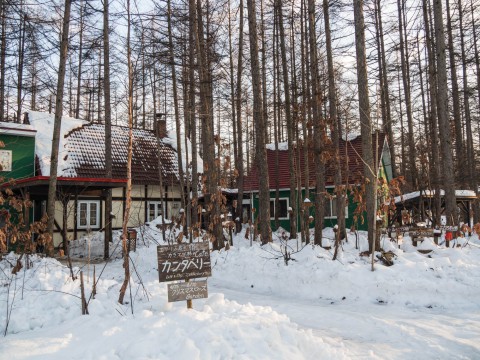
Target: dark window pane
(283,208)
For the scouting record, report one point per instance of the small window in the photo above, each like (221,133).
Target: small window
(283,208)
(88,214)
(331,208)
(154,210)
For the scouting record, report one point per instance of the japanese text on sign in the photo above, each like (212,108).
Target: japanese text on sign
(183,261)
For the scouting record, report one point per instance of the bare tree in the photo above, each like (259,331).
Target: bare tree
(52,184)
(260,149)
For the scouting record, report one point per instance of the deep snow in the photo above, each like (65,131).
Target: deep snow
(425,306)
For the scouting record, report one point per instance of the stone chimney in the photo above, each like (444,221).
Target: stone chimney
(161,125)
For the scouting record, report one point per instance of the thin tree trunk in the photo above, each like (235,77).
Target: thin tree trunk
(239,160)
(258,114)
(175,105)
(52,184)
(290,124)
(459,148)
(385,93)
(443,123)
(128,202)
(332,100)
(406,89)
(369,168)
(319,128)
(3,54)
(21,57)
(80,62)
(435,161)
(108,129)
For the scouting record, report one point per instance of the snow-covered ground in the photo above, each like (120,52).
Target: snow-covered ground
(425,306)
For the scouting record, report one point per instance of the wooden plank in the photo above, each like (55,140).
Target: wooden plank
(448,228)
(183,261)
(187,291)
(421,232)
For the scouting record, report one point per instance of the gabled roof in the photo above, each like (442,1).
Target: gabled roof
(82,151)
(350,154)
(85,155)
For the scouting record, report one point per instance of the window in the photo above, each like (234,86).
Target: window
(88,214)
(154,210)
(331,208)
(283,208)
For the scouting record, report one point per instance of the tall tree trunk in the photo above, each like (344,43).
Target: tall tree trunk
(175,105)
(108,129)
(238,93)
(192,106)
(3,55)
(21,57)
(443,123)
(52,184)
(477,67)
(290,124)
(369,168)
(319,127)
(466,105)
(212,197)
(260,150)
(128,202)
(404,56)
(459,148)
(332,100)
(432,79)
(80,61)
(385,93)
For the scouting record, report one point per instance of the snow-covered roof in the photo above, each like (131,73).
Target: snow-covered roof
(430,193)
(17,129)
(43,123)
(82,150)
(283,146)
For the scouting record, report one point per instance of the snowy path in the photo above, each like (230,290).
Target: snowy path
(399,333)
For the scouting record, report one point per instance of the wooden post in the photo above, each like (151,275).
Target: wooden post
(189,302)
(94,288)
(82,289)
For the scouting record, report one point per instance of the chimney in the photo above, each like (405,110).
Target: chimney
(161,125)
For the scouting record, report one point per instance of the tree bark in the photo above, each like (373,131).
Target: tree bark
(319,128)
(108,129)
(260,150)
(290,124)
(369,168)
(52,184)
(128,200)
(443,123)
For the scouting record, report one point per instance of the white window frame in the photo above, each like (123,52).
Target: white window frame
(272,216)
(97,217)
(158,209)
(331,216)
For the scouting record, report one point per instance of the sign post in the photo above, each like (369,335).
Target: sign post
(185,262)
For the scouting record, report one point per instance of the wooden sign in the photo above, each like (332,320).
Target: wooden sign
(183,261)
(421,232)
(448,228)
(187,291)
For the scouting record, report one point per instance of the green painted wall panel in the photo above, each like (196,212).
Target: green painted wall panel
(23,156)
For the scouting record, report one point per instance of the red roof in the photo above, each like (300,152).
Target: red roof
(350,155)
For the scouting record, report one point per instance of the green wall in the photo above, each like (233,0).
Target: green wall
(23,156)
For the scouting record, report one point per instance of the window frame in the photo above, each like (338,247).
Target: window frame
(158,209)
(88,217)
(288,205)
(332,216)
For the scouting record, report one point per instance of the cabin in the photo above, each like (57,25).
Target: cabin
(418,206)
(352,174)
(82,185)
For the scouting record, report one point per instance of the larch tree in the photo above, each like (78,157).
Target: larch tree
(52,183)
